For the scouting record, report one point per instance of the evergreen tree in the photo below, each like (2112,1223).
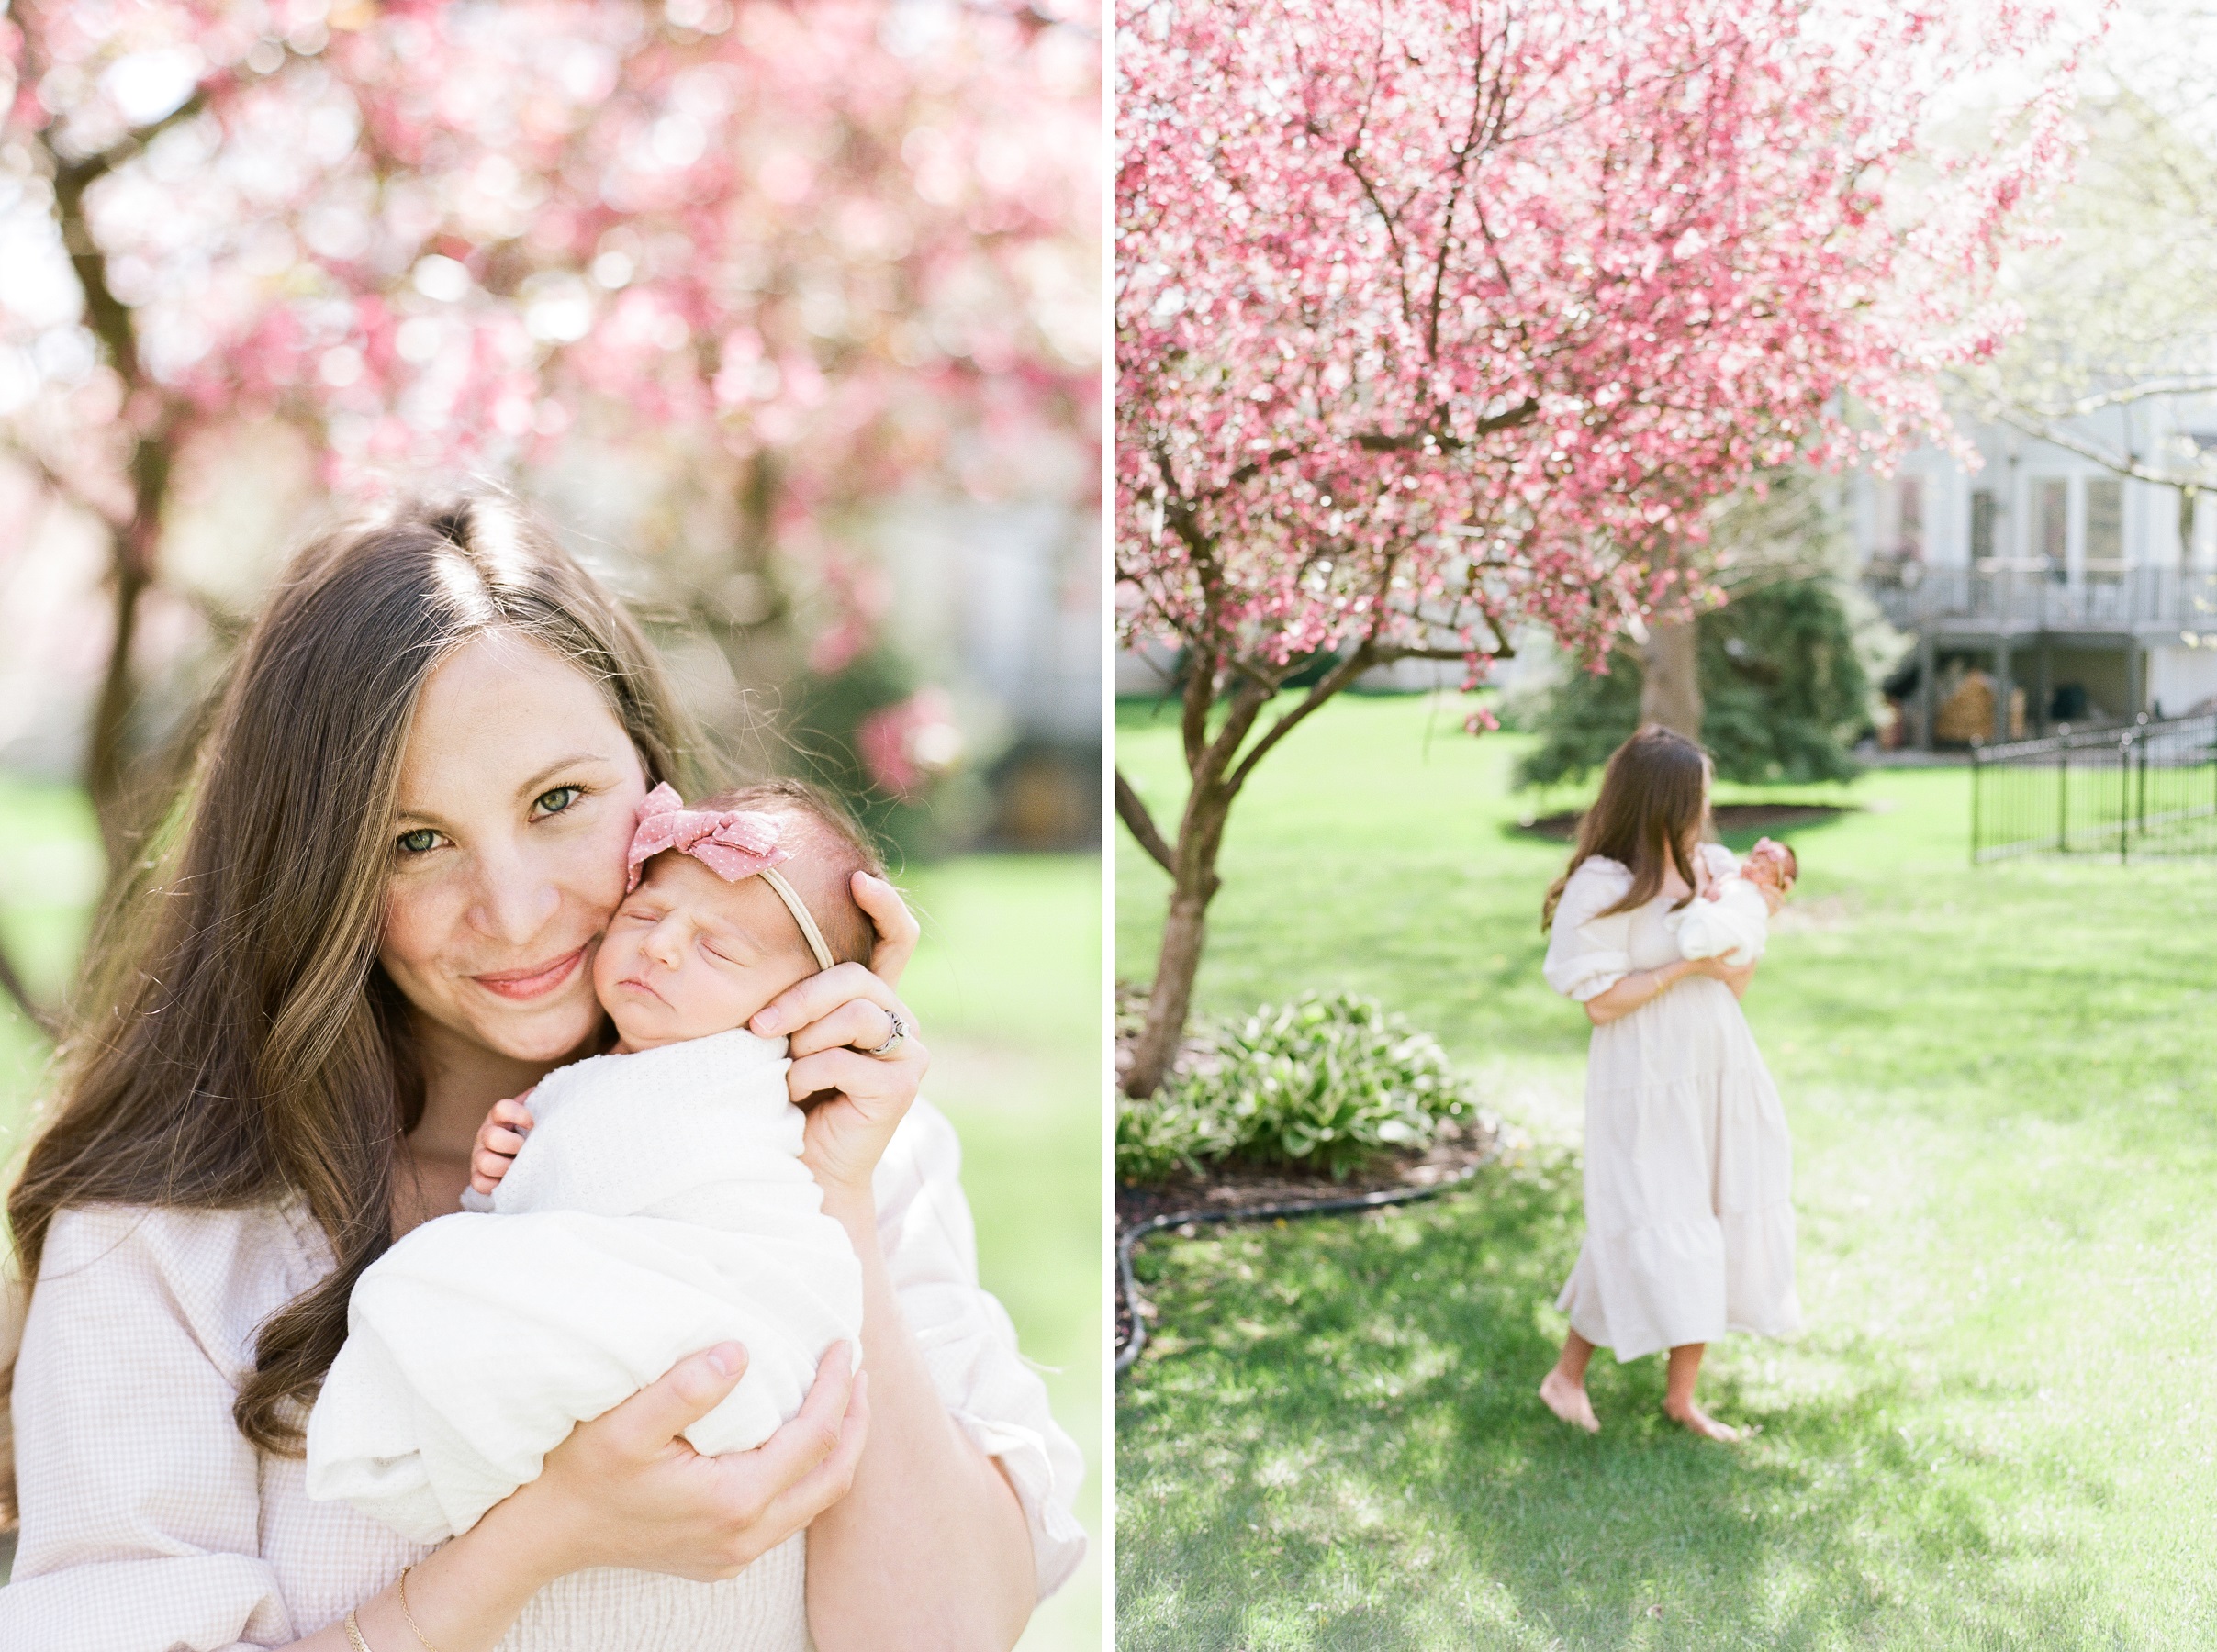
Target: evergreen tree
(1784,694)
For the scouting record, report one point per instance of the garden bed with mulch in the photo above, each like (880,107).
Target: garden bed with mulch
(1232,1188)
(1729,817)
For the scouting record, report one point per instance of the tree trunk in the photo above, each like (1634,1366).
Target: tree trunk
(107,762)
(1670,684)
(12,983)
(136,544)
(1194,884)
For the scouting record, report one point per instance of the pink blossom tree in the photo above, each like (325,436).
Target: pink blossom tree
(831,249)
(1440,317)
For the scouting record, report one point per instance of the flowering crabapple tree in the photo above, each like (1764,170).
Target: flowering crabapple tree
(831,249)
(1437,318)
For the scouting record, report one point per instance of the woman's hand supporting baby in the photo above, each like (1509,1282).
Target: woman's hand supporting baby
(625,1489)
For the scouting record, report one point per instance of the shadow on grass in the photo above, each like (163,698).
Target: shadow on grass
(1336,1442)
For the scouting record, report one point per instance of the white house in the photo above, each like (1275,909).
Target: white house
(2095,594)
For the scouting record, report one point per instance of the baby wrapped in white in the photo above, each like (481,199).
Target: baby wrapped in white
(1732,920)
(658,1207)
(1733,926)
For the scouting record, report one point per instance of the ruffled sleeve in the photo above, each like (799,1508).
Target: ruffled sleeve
(139,1497)
(1588,954)
(969,1343)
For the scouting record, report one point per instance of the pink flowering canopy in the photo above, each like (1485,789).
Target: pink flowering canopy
(1440,315)
(854,235)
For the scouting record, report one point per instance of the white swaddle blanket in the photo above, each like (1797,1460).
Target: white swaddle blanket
(1733,927)
(658,1207)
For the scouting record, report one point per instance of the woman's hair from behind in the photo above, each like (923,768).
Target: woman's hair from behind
(1652,806)
(235,1042)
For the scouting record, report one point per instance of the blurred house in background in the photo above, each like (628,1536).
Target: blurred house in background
(2078,593)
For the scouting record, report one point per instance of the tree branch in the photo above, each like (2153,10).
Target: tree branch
(1378,442)
(1331,683)
(2108,458)
(1387,653)
(2190,383)
(11,983)
(1133,813)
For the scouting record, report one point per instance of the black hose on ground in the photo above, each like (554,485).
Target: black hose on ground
(1129,1352)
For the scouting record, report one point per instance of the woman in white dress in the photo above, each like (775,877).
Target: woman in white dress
(372,915)
(1688,1169)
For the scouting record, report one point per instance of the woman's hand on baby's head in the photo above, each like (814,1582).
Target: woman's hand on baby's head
(499,1139)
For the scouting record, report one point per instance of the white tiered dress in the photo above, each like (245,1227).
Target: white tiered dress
(1689,1211)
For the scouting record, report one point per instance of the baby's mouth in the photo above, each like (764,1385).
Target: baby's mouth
(640,986)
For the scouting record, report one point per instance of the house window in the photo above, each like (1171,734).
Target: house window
(2105,524)
(1982,524)
(2052,519)
(1910,546)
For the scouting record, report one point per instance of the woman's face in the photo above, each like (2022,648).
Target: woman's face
(517,794)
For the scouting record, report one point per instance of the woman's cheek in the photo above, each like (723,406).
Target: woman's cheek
(597,870)
(408,943)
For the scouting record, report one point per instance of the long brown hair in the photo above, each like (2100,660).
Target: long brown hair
(1652,811)
(235,1042)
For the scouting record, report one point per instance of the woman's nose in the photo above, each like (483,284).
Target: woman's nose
(514,903)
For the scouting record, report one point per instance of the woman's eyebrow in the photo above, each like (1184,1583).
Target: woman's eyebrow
(532,786)
(529,788)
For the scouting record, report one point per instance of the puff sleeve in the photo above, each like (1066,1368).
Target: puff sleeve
(1587,952)
(140,1504)
(968,1342)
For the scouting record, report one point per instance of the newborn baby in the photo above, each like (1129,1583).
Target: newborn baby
(657,1205)
(1732,920)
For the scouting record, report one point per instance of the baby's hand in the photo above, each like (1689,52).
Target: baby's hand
(498,1139)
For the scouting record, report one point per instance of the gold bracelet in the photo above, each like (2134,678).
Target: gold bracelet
(409,1615)
(353,1632)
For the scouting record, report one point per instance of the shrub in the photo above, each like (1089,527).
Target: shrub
(1324,1082)
(1784,690)
(1164,1133)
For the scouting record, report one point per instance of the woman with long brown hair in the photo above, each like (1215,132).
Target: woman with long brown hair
(1688,1199)
(371,915)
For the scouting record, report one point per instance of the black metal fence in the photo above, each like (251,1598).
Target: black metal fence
(2146,787)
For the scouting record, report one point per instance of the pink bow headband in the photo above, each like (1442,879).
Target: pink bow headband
(734,843)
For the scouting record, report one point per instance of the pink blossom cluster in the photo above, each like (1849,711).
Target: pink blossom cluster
(1440,316)
(856,236)
(906,745)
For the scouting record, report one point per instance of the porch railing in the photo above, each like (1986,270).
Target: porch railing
(2030,597)
(2146,788)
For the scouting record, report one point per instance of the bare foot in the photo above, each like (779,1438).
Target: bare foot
(1568,1401)
(1697,1421)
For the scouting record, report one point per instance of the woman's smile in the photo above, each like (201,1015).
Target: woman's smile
(536,980)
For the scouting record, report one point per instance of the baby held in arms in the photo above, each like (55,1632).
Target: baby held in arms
(656,1205)
(1732,918)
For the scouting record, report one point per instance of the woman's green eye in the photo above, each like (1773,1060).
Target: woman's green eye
(417,841)
(560,798)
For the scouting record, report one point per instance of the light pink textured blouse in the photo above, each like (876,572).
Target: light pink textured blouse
(149,1524)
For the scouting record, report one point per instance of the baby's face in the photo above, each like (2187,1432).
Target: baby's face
(687,954)
(1765,864)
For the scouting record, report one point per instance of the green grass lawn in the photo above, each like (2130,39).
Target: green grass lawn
(1007,987)
(1997,1429)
